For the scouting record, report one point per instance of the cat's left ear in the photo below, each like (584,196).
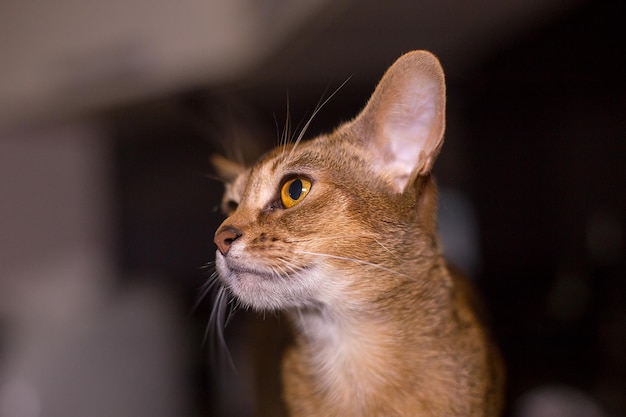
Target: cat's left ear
(404,120)
(226,169)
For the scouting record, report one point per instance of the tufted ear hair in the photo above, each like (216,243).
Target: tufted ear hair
(403,123)
(225,168)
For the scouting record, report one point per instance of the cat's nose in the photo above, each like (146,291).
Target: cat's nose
(224,237)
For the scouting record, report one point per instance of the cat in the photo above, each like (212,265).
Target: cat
(340,233)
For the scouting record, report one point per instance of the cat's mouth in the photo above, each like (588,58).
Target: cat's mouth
(238,270)
(229,269)
(266,287)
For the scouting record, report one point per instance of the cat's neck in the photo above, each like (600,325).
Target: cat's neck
(359,351)
(343,356)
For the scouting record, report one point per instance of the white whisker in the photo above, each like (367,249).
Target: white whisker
(221,314)
(317,110)
(290,267)
(217,322)
(214,319)
(234,305)
(285,268)
(206,289)
(334,237)
(213,177)
(386,248)
(344,258)
(284,139)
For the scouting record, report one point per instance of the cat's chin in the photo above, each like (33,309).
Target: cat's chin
(263,290)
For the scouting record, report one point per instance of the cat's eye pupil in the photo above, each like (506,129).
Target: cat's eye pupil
(295,189)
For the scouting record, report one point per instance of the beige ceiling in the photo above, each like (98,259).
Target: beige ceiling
(70,56)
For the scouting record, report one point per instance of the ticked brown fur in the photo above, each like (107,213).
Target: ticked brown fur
(382,328)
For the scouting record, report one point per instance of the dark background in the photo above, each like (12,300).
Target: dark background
(536,142)
(540,153)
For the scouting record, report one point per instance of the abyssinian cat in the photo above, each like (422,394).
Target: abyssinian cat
(340,233)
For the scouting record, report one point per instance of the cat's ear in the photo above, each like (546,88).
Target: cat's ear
(226,169)
(232,174)
(404,121)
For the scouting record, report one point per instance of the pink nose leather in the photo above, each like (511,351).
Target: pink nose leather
(224,237)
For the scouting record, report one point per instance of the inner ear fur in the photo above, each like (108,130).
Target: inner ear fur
(404,121)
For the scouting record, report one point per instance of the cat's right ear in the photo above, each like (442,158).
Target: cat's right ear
(403,123)
(226,169)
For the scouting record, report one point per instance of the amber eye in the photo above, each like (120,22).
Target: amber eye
(294,191)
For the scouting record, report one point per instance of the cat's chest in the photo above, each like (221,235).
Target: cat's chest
(346,363)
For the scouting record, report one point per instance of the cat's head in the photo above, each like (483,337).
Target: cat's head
(343,216)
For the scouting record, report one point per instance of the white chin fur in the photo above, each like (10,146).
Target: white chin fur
(265,292)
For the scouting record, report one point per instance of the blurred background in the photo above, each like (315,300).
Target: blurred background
(109,112)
